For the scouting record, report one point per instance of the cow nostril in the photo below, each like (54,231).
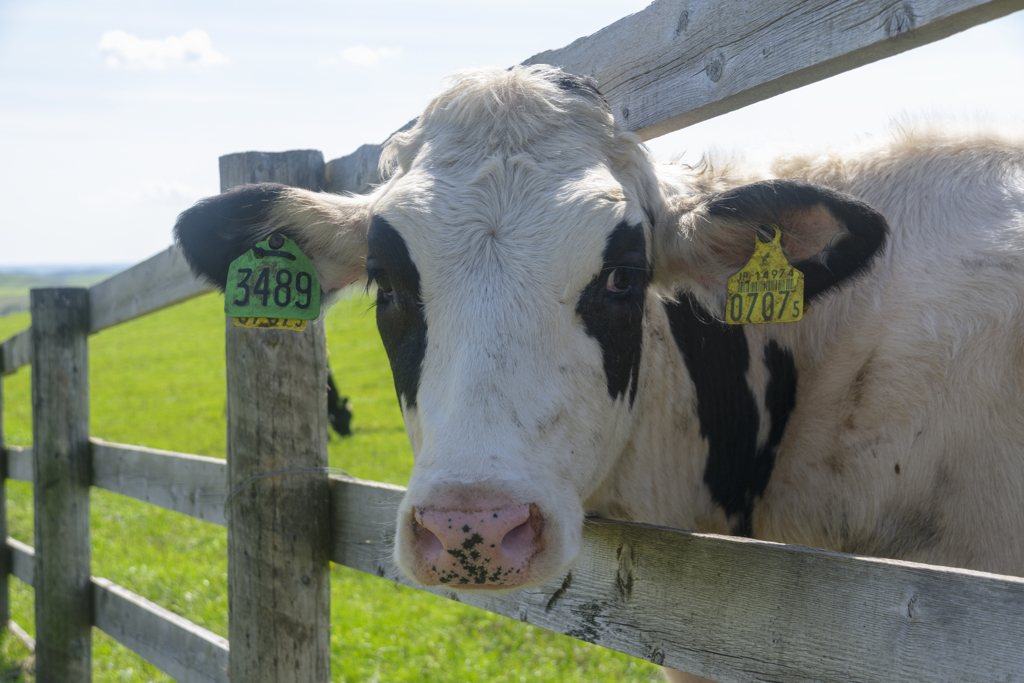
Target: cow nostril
(521,542)
(428,545)
(518,543)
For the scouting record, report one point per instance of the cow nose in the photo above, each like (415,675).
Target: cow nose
(477,548)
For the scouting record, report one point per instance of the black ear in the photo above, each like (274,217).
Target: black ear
(330,229)
(219,229)
(813,217)
(828,235)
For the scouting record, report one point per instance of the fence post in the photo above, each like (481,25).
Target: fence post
(5,553)
(278,516)
(60,446)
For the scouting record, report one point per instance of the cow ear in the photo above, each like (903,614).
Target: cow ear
(330,229)
(702,241)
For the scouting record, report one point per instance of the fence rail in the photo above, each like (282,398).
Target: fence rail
(897,620)
(185,651)
(726,608)
(680,62)
(158,282)
(190,484)
(15,352)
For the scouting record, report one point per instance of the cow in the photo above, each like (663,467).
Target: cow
(553,305)
(339,409)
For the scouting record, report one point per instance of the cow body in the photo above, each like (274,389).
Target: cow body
(903,435)
(549,300)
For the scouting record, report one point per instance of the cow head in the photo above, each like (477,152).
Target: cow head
(516,249)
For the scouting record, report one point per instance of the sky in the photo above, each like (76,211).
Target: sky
(113,113)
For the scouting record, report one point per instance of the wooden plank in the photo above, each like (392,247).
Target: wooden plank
(278,512)
(679,62)
(278,569)
(356,172)
(23,561)
(190,484)
(734,609)
(5,555)
(60,446)
(158,282)
(19,463)
(15,352)
(364,541)
(184,651)
(298,167)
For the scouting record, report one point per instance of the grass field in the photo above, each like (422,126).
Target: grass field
(159,382)
(14,287)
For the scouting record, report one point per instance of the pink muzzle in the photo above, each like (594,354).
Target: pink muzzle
(476,548)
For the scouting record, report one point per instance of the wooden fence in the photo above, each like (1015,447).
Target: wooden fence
(725,608)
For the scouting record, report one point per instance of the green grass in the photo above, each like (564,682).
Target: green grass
(159,382)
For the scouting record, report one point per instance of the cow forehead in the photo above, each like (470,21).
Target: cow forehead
(508,220)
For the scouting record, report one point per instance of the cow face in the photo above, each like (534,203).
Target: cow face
(513,251)
(510,299)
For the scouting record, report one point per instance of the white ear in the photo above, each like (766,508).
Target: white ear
(330,229)
(702,241)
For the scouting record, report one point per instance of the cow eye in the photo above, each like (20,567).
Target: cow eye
(620,281)
(376,274)
(384,284)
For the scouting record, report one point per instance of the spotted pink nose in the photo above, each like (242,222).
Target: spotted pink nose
(476,549)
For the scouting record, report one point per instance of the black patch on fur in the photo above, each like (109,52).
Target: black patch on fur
(400,319)
(717,357)
(219,229)
(769,200)
(779,401)
(615,319)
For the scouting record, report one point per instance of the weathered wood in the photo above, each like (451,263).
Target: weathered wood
(23,561)
(184,651)
(363,517)
(299,168)
(356,173)
(60,445)
(278,513)
(190,484)
(5,555)
(158,282)
(15,352)
(679,62)
(278,576)
(19,463)
(739,610)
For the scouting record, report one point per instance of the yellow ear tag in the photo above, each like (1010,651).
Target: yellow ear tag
(271,323)
(768,289)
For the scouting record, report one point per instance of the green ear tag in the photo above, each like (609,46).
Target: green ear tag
(273,286)
(767,289)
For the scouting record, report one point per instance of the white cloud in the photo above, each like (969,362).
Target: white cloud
(192,48)
(360,55)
